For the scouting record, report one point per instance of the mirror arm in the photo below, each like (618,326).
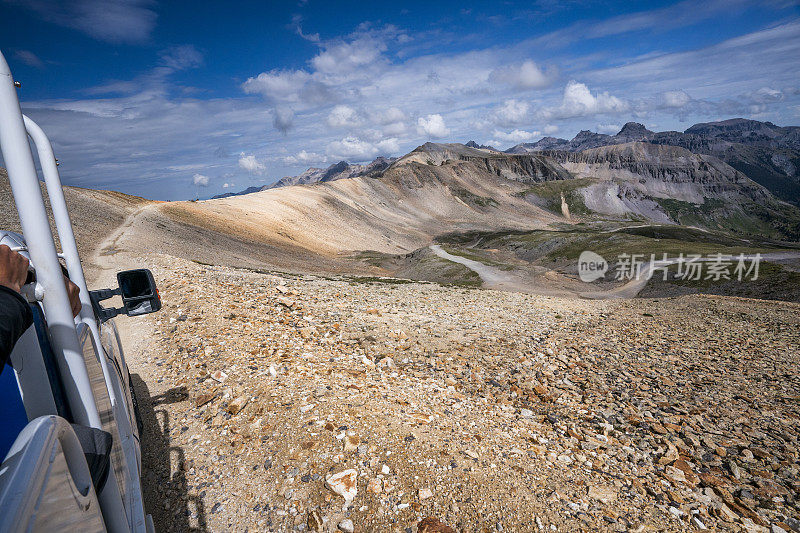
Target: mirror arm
(98,296)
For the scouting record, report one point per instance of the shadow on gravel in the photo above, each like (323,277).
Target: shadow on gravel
(166,493)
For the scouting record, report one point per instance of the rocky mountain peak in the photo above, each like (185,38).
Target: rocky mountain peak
(585,134)
(634,129)
(473,144)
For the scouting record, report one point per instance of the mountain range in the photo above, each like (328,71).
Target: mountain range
(766,153)
(337,171)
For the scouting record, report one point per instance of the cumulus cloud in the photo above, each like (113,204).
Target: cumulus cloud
(355,149)
(515,136)
(283,119)
(227,185)
(351,148)
(675,99)
(578,101)
(432,126)
(200,180)
(511,112)
(391,121)
(342,116)
(527,75)
(277,85)
(251,164)
(113,21)
(29,58)
(388,147)
(343,57)
(134,131)
(304,157)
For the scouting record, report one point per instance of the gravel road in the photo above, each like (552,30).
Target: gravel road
(485,410)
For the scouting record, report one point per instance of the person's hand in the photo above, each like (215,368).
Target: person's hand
(72,292)
(13,268)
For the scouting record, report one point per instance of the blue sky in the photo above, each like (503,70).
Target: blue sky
(172,100)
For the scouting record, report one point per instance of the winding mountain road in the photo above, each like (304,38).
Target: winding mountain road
(490,275)
(498,279)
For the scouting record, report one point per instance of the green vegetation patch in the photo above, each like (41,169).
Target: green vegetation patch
(771,220)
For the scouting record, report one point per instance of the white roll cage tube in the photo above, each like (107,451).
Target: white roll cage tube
(27,194)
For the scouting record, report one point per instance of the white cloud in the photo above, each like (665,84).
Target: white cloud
(578,101)
(723,70)
(432,126)
(391,115)
(181,57)
(342,116)
(528,75)
(351,148)
(345,57)
(144,126)
(304,157)
(227,185)
(251,164)
(277,85)
(113,21)
(677,15)
(611,129)
(355,149)
(394,129)
(511,112)
(29,58)
(296,20)
(675,98)
(515,136)
(388,147)
(768,94)
(200,180)
(391,121)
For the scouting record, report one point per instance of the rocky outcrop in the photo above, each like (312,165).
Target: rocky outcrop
(517,167)
(664,171)
(337,171)
(766,153)
(473,144)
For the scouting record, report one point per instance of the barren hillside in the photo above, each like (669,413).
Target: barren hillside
(95,214)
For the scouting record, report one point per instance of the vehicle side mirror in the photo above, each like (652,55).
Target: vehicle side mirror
(139,292)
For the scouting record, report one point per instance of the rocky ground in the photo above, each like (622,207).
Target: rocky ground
(280,403)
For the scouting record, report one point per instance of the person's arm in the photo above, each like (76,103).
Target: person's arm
(15,315)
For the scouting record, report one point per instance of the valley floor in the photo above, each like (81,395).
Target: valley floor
(489,411)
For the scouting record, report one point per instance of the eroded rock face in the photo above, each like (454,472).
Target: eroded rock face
(666,164)
(766,153)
